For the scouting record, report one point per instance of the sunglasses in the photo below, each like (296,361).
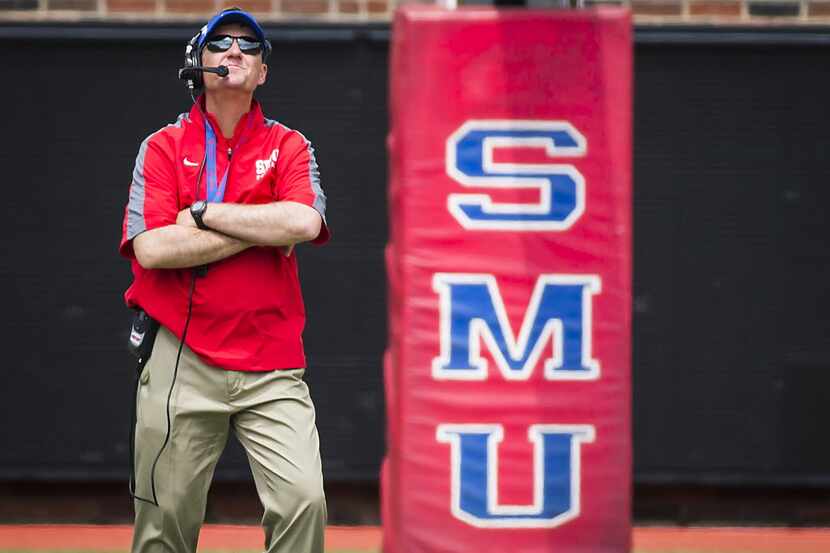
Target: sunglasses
(223,43)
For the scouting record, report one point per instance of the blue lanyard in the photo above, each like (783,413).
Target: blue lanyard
(215,192)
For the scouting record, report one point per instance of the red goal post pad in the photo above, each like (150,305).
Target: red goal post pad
(509,261)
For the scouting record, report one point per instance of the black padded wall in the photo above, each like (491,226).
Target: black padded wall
(78,112)
(731,264)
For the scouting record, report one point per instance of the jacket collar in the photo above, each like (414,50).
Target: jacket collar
(255,116)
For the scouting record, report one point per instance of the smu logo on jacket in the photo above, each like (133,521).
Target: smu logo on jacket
(265,165)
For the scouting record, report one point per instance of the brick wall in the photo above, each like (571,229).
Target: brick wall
(184,10)
(657,12)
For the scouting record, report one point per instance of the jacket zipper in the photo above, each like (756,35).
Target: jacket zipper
(230,153)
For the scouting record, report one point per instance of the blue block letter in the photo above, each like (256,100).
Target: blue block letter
(470,161)
(555,479)
(557,328)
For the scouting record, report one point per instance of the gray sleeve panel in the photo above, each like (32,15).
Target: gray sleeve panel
(314,178)
(135,207)
(313,171)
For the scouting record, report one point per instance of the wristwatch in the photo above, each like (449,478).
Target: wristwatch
(197,210)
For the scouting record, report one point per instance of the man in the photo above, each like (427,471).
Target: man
(217,202)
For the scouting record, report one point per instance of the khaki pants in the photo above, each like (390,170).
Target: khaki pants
(273,418)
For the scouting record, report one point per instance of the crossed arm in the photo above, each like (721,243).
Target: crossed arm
(234,228)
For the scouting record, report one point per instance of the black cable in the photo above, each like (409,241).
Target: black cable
(154,501)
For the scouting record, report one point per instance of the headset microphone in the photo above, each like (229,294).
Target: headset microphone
(188,73)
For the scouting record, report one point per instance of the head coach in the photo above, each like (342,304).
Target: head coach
(217,202)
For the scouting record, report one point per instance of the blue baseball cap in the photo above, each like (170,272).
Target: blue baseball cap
(235,15)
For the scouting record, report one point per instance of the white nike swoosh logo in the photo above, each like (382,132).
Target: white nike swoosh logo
(190,163)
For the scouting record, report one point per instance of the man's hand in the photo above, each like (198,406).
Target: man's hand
(185,219)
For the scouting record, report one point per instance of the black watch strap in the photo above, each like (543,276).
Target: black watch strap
(197,210)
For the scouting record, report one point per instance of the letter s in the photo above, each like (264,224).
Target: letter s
(470,162)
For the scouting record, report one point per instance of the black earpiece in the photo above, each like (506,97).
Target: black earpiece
(193,78)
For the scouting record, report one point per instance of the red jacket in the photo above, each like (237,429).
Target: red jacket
(248,312)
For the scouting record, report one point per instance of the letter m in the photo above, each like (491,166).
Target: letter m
(557,328)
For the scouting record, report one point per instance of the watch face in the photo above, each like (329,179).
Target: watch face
(198,206)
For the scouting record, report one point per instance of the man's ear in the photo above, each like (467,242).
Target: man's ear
(263,74)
